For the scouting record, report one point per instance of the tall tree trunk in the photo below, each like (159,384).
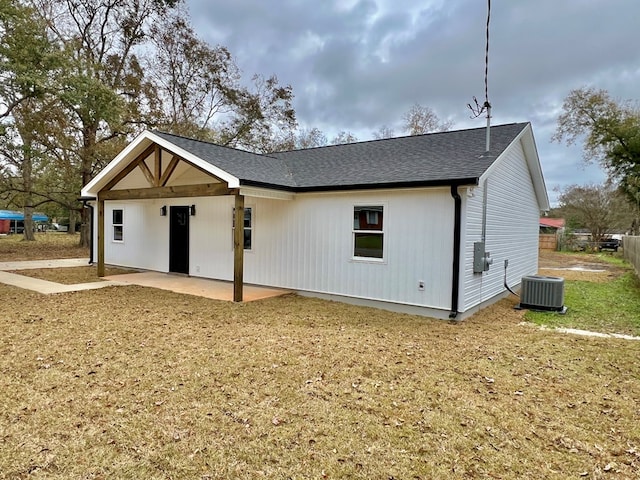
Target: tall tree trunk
(27,183)
(89,134)
(29,226)
(72,222)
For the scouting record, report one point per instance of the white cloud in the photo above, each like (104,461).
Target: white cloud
(356,65)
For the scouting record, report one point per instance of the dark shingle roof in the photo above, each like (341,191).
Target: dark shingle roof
(432,159)
(248,167)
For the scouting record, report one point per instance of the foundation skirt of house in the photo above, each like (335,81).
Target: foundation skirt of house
(422,311)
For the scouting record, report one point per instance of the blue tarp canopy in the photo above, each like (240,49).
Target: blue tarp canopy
(19,216)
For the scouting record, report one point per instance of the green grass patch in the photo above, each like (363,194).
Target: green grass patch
(613,258)
(610,307)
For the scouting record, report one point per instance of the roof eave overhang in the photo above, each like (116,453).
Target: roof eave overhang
(471,181)
(526,139)
(533,160)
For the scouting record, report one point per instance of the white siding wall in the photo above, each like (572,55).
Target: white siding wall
(211,238)
(511,229)
(306,243)
(145,233)
(146,236)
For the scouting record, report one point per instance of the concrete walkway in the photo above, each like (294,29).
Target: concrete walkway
(33,264)
(202,287)
(45,286)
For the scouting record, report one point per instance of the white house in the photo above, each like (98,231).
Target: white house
(423,224)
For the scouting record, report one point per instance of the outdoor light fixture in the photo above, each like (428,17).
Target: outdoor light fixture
(163,211)
(192,210)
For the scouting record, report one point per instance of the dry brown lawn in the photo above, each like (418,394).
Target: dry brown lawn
(47,245)
(131,382)
(72,275)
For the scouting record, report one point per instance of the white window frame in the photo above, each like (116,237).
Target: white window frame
(251,227)
(115,225)
(382,232)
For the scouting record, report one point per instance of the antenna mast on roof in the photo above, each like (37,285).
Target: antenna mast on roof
(486,107)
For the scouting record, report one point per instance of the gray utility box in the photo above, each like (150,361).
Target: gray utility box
(481,259)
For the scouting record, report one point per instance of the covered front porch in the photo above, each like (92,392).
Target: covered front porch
(152,169)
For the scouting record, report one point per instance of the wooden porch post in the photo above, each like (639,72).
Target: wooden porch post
(238,249)
(100,236)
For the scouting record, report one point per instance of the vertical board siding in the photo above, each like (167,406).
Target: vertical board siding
(211,238)
(511,231)
(306,243)
(471,289)
(144,238)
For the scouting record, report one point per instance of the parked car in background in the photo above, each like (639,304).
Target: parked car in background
(609,244)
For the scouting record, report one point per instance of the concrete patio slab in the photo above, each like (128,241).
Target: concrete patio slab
(202,287)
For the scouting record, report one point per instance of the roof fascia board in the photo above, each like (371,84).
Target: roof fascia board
(135,147)
(469,181)
(257,192)
(368,191)
(533,160)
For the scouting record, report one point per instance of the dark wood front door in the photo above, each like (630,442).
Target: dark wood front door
(179,239)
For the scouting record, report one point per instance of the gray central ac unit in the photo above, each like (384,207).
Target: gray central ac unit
(539,292)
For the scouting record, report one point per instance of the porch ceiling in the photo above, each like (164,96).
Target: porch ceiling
(183,173)
(158,172)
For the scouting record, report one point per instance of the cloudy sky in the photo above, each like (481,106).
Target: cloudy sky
(359,64)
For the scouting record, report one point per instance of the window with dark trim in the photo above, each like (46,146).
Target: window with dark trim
(248,226)
(368,231)
(118,225)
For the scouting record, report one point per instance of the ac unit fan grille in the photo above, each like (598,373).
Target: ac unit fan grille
(542,293)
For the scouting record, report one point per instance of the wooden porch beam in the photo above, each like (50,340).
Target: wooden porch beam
(147,173)
(169,171)
(177,191)
(129,168)
(157,157)
(157,178)
(238,249)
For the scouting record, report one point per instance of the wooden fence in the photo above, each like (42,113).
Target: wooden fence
(631,248)
(548,241)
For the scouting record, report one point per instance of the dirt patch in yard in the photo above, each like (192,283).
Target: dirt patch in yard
(587,276)
(549,259)
(72,275)
(577,266)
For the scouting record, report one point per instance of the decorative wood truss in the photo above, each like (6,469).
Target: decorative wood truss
(157,180)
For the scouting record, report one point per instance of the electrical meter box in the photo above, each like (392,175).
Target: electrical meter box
(481,259)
